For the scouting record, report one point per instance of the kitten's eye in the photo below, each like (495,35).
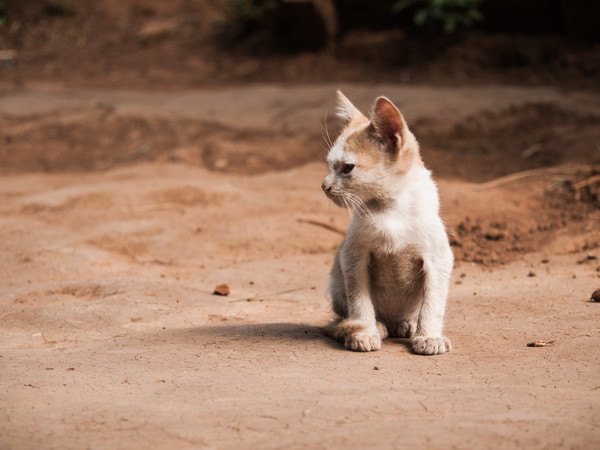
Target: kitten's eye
(347,168)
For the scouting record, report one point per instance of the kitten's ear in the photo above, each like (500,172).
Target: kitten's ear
(388,124)
(347,111)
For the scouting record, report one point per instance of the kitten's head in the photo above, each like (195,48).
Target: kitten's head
(370,156)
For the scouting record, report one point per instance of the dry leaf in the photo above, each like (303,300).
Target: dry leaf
(540,343)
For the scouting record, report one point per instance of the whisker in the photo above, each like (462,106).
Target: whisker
(361,206)
(325,138)
(327,130)
(356,207)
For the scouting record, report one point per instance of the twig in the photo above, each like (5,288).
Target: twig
(543,172)
(531,150)
(588,182)
(262,296)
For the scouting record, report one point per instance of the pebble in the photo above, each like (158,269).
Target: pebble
(222,289)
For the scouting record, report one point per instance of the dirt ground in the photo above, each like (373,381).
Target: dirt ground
(122,210)
(143,162)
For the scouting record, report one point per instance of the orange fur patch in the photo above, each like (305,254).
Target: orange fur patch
(341,329)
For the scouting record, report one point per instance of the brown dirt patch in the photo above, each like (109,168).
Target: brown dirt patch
(98,139)
(491,144)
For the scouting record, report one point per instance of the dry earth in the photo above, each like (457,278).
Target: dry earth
(120,212)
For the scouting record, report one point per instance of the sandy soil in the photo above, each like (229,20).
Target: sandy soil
(111,337)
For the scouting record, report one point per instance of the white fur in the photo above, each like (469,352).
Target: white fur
(412,221)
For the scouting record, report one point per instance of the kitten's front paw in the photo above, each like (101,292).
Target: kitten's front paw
(363,342)
(423,345)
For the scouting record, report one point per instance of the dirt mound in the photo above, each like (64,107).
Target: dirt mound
(480,148)
(503,219)
(83,140)
(98,139)
(492,144)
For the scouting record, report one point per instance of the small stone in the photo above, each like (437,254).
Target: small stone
(494,235)
(531,274)
(595,296)
(222,289)
(376,368)
(587,258)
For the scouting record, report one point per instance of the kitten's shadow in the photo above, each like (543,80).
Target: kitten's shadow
(274,333)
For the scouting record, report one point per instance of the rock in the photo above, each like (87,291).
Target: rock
(595,296)
(494,235)
(222,289)
(587,259)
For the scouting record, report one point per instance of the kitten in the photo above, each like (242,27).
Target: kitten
(391,274)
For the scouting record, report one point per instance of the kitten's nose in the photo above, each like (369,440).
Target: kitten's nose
(325,186)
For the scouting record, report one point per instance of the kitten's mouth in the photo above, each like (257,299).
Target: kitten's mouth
(338,200)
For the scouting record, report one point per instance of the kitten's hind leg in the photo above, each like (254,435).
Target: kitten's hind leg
(383,331)
(352,334)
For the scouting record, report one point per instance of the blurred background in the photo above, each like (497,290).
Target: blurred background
(182,44)
(199,42)
(131,45)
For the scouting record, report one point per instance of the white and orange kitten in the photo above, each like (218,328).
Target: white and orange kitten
(391,273)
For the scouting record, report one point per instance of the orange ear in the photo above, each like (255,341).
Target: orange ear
(388,123)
